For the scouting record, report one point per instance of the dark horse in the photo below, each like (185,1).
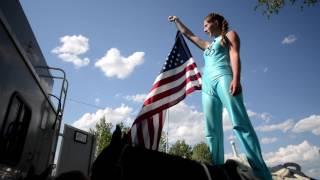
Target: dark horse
(121,161)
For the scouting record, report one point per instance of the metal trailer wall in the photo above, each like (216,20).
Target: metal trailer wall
(19,54)
(77,151)
(16,19)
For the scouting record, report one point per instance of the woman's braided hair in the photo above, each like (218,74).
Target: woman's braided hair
(222,24)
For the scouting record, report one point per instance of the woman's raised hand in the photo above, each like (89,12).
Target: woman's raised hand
(172,18)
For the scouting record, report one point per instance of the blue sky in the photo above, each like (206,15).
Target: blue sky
(113,50)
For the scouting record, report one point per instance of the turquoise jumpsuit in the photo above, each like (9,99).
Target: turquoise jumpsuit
(216,94)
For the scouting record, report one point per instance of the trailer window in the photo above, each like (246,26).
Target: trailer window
(14,130)
(80,137)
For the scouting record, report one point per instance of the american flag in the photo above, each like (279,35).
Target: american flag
(178,77)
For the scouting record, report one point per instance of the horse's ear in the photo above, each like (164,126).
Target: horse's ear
(116,136)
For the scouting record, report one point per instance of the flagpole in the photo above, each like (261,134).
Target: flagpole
(167,138)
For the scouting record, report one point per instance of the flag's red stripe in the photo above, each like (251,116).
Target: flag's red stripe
(161,99)
(165,106)
(175,77)
(172,91)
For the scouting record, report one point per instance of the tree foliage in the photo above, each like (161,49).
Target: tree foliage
(103,135)
(163,143)
(180,148)
(201,152)
(270,7)
(124,128)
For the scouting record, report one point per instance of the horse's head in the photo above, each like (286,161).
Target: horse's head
(120,161)
(106,162)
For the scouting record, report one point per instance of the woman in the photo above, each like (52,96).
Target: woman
(221,88)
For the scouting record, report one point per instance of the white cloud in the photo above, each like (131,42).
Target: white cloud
(114,64)
(185,122)
(227,125)
(289,39)
(71,48)
(97,101)
(251,113)
(292,153)
(114,116)
(284,127)
(118,95)
(263,116)
(311,123)
(139,98)
(304,154)
(266,69)
(267,140)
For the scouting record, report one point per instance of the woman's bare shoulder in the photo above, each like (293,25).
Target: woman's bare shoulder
(232,34)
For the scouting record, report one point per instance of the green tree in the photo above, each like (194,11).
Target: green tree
(124,128)
(201,152)
(270,7)
(103,135)
(180,148)
(163,143)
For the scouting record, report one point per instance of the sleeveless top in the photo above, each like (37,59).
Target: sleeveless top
(217,63)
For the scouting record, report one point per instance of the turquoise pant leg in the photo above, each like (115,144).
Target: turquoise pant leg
(212,109)
(242,127)
(213,103)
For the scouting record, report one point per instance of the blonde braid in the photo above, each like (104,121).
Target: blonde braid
(224,30)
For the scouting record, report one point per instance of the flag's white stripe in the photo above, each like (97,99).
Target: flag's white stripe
(173,84)
(145,132)
(156,130)
(170,98)
(134,135)
(173,71)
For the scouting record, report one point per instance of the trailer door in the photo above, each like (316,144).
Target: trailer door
(76,152)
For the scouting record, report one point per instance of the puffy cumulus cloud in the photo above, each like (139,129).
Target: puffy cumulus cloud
(251,113)
(267,140)
(113,64)
(309,124)
(227,125)
(284,127)
(114,116)
(263,116)
(71,48)
(289,39)
(185,122)
(97,101)
(139,98)
(304,154)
